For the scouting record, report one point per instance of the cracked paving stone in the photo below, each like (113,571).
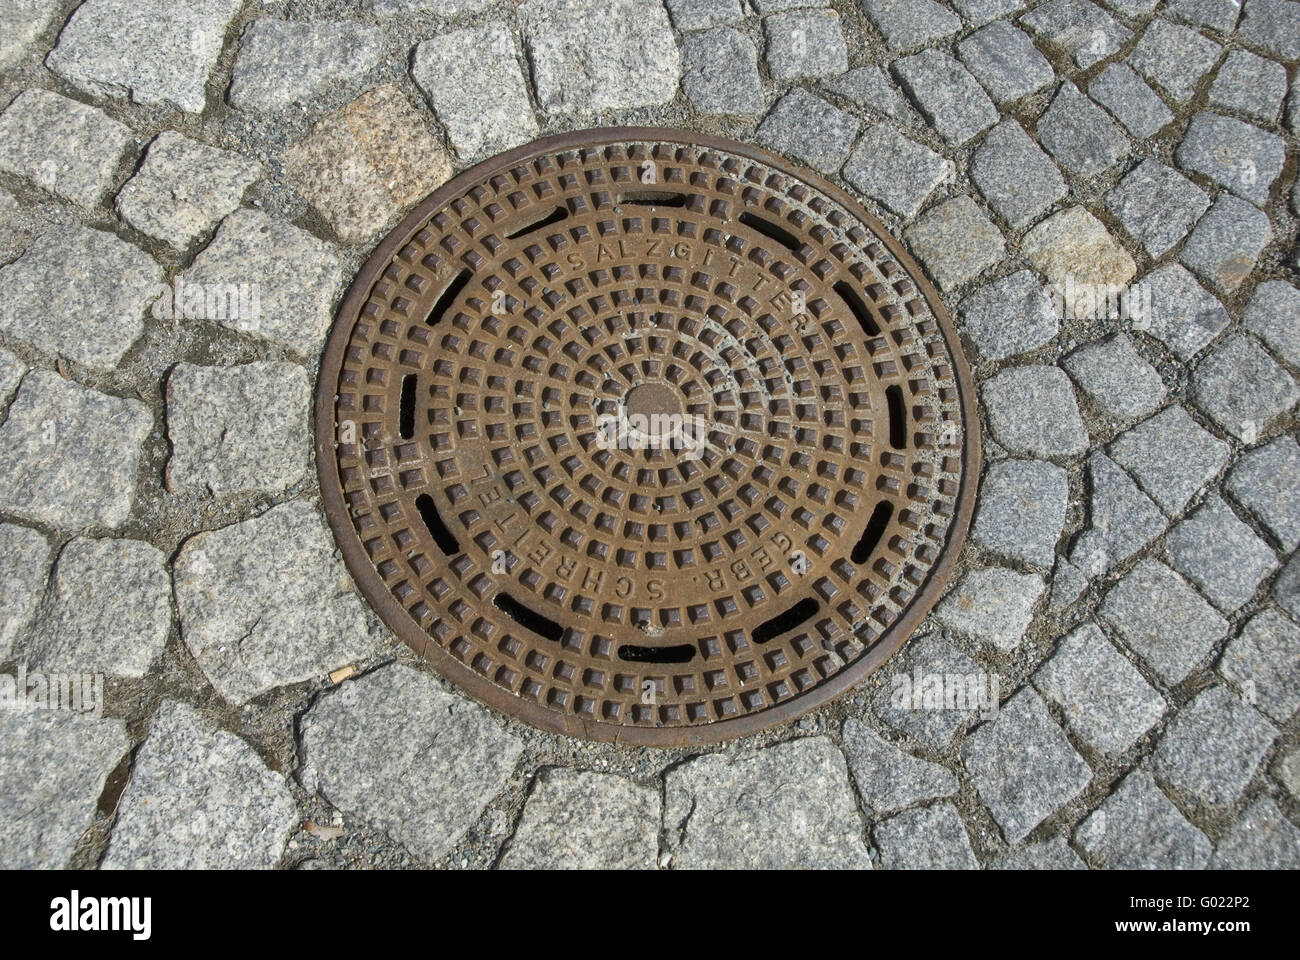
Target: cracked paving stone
(1171,456)
(1106,702)
(79,293)
(55,763)
(897,172)
(1032,410)
(1183,315)
(1249,85)
(1023,765)
(24,564)
(108,610)
(1081,29)
(575,820)
(1219,15)
(722,72)
(1274,26)
(366,162)
(1130,101)
(1005,61)
(908,24)
(21,22)
(1080,135)
(1122,519)
(786,807)
(980,12)
(1115,378)
(1174,58)
(184,188)
(481,99)
(869,87)
(805,43)
(955,242)
(1138,828)
(702,14)
(993,604)
(1266,481)
(199,798)
(1274,317)
(1262,663)
(64,147)
(1072,247)
(1226,243)
(1286,588)
(120,48)
(1212,747)
(910,702)
(70,454)
(1068,584)
(809,129)
(889,779)
(932,838)
(296,277)
(265,603)
(950,98)
(1242,388)
(1022,510)
(1016,177)
(1009,316)
(1163,619)
(1234,154)
(1220,554)
(1261,839)
(284,62)
(1156,205)
(395,750)
(594,55)
(238,429)
(1054,854)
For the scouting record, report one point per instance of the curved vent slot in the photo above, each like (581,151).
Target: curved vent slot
(406,412)
(448,297)
(771,230)
(897,417)
(876,526)
(528,618)
(858,308)
(555,216)
(653,198)
(682,653)
(447,543)
(786,621)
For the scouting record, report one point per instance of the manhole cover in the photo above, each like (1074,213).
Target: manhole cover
(648,436)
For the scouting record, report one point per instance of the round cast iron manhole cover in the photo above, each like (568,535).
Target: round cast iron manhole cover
(647,436)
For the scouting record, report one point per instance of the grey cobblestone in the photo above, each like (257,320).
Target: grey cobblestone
(1266,481)
(1174,58)
(869,87)
(1226,243)
(1054,854)
(1115,378)
(1157,206)
(702,14)
(722,72)
(899,173)
(1021,510)
(1219,15)
(1242,388)
(1213,747)
(1185,317)
(1079,134)
(1130,100)
(1138,828)
(949,97)
(908,24)
(1273,26)
(1234,154)
(1016,177)
(24,564)
(993,604)
(955,242)
(1249,85)
(1274,317)
(1009,316)
(805,43)
(1122,519)
(1082,29)
(1261,839)
(1220,554)
(1005,61)
(1032,411)
(888,778)
(922,656)
(1262,663)
(284,62)
(810,129)
(932,838)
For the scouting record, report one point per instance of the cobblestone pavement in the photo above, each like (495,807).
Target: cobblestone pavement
(1130,593)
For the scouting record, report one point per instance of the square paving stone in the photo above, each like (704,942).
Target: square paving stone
(1242,388)
(1174,58)
(929,690)
(897,172)
(949,97)
(1249,85)
(1104,698)
(1227,241)
(1115,377)
(1130,100)
(931,838)
(1266,481)
(1081,29)
(805,43)
(1172,456)
(1274,26)
(66,148)
(993,604)
(955,242)
(1072,247)
(1264,664)
(1234,154)
(722,72)
(1016,177)
(1156,205)
(285,62)
(1183,315)
(1032,411)
(889,779)
(702,14)
(1274,317)
(1220,554)
(1261,839)
(870,88)
(593,55)
(1213,747)
(70,454)
(79,293)
(24,564)
(1023,765)
(1005,61)
(1138,828)
(809,129)
(1079,134)
(1022,510)
(1121,519)
(1219,15)
(908,24)
(1009,316)
(1163,620)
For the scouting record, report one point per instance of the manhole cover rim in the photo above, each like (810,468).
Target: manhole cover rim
(396,617)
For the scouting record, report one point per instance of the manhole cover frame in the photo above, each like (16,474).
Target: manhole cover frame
(398,619)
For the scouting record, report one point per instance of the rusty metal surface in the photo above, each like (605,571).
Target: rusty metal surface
(507,501)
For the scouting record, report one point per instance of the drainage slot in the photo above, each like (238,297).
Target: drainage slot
(880,518)
(858,308)
(555,216)
(653,198)
(443,537)
(528,618)
(783,622)
(406,410)
(769,229)
(448,297)
(682,653)
(897,418)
